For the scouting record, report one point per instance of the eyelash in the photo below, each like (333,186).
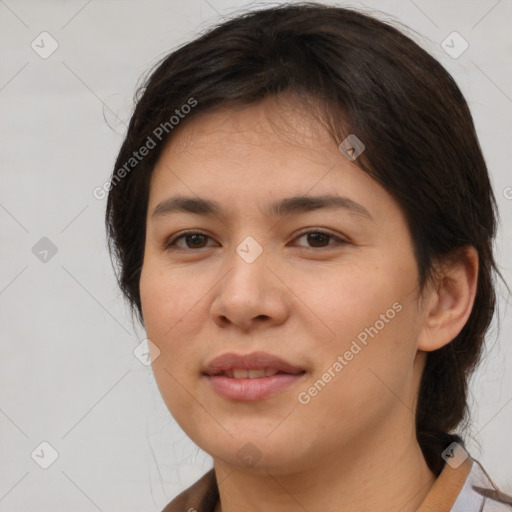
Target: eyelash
(171,244)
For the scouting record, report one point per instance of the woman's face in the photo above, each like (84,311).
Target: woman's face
(340,305)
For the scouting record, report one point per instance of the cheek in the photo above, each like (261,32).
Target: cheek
(373,318)
(358,297)
(167,298)
(175,317)
(154,288)
(168,310)
(364,374)
(164,306)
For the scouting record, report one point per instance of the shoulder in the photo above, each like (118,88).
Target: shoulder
(201,496)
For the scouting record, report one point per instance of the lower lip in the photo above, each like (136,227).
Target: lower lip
(252,389)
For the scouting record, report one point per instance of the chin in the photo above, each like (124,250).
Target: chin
(258,455)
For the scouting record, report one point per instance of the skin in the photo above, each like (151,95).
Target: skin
(353,446)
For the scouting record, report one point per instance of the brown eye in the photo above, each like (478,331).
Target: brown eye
(193,240)
(198,240)
(319,239)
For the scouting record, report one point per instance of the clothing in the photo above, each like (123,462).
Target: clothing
(453,491)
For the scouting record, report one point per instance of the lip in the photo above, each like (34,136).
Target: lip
(252,361)
(251,389)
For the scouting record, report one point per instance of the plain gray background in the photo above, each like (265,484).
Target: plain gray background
(68,375)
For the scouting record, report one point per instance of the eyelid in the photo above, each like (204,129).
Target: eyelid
(170,243)
(323,231)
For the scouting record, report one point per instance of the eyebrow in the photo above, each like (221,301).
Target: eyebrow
(281,208)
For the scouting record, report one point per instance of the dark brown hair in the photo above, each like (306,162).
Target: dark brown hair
(366,78)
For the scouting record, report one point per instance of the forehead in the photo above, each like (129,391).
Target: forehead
(272,124)
(256,141)
(260,153)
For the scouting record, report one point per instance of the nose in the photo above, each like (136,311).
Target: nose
(251,294)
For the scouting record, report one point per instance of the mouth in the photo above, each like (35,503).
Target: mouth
(259,373)
(252,376)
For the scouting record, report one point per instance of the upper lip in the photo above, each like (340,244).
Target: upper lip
(253,361)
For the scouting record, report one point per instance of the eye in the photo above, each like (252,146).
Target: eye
(318,239)
(197,239)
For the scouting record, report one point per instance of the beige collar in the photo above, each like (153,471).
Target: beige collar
(203,494)
(446,488)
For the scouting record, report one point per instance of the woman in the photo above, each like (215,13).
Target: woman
(303,222)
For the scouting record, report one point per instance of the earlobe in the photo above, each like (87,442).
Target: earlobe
(449,299)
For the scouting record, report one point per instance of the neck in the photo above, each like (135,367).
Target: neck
(386,476)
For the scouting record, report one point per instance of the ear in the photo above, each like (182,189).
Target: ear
(448,299)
